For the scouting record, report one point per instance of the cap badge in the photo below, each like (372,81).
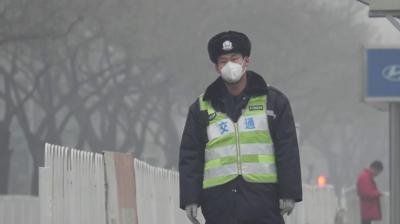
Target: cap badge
(227,45)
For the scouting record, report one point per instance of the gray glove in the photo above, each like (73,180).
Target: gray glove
(286,206)
(191,213)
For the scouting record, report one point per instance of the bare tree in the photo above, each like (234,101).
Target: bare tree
(5,123)
(24,20)
(82,83)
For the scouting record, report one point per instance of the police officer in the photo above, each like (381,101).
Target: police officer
(239,157)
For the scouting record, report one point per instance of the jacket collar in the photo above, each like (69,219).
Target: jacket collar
(370,173)
(256,86)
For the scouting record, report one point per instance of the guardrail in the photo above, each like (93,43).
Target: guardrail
(19,209)
(78,187)
(72,187)
(351,206)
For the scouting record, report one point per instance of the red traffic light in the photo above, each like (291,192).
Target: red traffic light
(322,181)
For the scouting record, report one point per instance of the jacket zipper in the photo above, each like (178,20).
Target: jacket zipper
(239,163)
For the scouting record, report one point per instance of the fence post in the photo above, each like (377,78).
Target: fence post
(45,195)
(120,189)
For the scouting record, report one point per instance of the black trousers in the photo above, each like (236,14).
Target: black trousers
(241,202)
(366,222)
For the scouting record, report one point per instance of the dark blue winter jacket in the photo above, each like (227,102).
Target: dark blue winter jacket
(239,201)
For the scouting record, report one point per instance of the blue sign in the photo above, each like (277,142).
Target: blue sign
(383,74)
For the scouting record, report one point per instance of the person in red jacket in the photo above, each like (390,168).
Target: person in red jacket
(369,194)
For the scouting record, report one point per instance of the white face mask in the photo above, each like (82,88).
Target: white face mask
(232,72)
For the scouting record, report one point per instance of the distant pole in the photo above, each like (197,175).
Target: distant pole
(394,21)
(394,123)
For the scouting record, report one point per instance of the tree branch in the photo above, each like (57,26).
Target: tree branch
(41,35)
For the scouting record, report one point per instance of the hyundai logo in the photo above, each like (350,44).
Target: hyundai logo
(392,73)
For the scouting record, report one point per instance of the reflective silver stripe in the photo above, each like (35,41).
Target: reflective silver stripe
(258,168)
(220,129)
(220,171)
(247,168)
(271,113)
(245,149)
(253,123)
(220,152)
(261,149)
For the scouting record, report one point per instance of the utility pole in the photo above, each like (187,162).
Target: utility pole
(384,68)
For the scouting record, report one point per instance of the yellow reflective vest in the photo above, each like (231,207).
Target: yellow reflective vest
(239,148)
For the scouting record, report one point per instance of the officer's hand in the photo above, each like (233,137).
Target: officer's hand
(286,206)
(191,213)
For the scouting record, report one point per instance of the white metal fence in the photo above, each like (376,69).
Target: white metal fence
(319,206)
(351,207)
(158,195)
(72,187)
(79,187)
(19,209)
(158,199)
